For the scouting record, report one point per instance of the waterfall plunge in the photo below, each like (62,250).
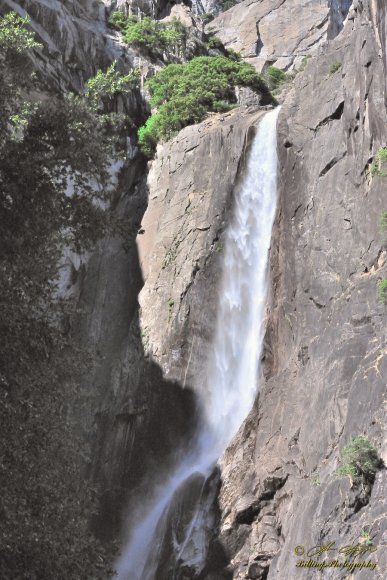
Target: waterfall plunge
(234,364)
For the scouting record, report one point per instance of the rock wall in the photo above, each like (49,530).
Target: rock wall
(279,32)
(190,188)
(144,318)
(76,41)
(325,349)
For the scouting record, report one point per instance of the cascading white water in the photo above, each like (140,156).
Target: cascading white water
(232,373)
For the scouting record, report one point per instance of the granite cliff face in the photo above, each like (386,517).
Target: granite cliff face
(75,38)
(181,247)
(147,306)
(325,349)
(279,32)
(324,356)
(149,360)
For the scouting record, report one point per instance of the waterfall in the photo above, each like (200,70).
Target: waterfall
(232,373)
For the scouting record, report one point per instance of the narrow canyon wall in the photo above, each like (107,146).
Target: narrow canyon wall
(325,349)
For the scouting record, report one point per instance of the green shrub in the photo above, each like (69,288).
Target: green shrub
(233,54)
(275,77)
(118,20)
(105,86)
(147,136)
(376,168)
(360,460)
(151,36)
(366,537)
(207,17)
(304,62)
(184,93)
(383,222)
(335,67)
(382,291)
(13,34)
(215,43)
(228,4)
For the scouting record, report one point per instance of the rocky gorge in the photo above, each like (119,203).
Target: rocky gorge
(147,304)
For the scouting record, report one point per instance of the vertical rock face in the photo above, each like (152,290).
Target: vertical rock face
(190,187)
(77,41)
(138,401)
(325,351)
(279,32)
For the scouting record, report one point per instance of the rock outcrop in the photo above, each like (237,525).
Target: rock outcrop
(190,188)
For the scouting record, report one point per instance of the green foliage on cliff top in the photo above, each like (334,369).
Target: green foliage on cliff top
(360,460)
(184,93)
(45,146)
(154,38)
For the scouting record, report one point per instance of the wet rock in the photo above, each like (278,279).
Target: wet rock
(181,248)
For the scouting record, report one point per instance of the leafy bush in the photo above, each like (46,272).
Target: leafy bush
(184,93)
(275,77)
(335,66)
(118,20)
(147,136)
(102,88)
(233,54)
(215,42)
(304,62)
(151,36)
(383,222)
(366,537)
(207,17)
(360,460)
(377,165)
(227,4)
(13,34)
(382,291)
